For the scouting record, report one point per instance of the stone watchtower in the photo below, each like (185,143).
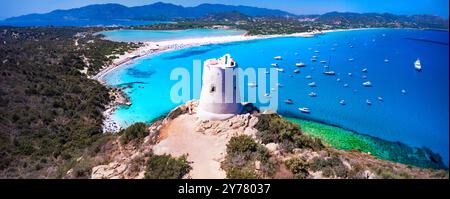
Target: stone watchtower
(217,102)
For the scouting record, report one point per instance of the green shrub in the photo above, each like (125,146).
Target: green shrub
(298,167)
(241,144)
(136,131)
(167,167)
(237,173)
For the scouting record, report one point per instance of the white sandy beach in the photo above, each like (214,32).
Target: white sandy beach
(153,48)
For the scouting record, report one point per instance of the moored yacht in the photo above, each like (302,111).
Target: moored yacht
(274,65)
(417,65)
(288,101)
(312,94)
(277,57)
(304,110)
(296,71)
(301,64)
(367,84)
(252,84)
(342,102)
(368,102)
(329,73)
(312,84)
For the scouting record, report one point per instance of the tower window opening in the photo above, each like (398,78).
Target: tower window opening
(213,89)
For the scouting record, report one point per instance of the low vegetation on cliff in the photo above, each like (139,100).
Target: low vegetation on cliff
(50,110)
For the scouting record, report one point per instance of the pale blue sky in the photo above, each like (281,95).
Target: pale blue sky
(10,8)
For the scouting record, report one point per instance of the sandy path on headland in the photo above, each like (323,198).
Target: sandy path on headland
(204,151)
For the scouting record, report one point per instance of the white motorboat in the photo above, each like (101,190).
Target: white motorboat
(280,70)
(367,84)
(304,110)
(346,85)
(316,51)
(364,70)
(277,57)
(342,102)
(312,94)
(323,62)
(252,84)
(308,77)
(296,71)
(338,79)
(368,102)
(329,73)
(350,74)
(403,91)
(386,60)
(288,101)
(274,65)
(351,59)
(380,99)
(312,84)
(301,64)
(417,65)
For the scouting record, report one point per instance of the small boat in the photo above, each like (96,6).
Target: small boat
(364,77)
(350,74)
(267,72)
(301,64)
(338,79)
(252,84)
(316,51)
(280,69)
(288,101)
(403,91)
(329,73)
(351,46)
(314,56)
(267,95)
(364,70)
(280,85)
(386,60)
(380,99)
(368,102)
(367,84)
(417,65)
(342,102)
(312,84)
(313,59)
(351,59)
(304,110)
(323,62)
(274,65)
(277,57)
(345,85)
(312,94)
(308,77)
(296,71)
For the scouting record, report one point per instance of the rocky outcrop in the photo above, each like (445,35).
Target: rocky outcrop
(181,132)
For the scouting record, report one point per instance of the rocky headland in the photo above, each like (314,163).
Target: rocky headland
(249,145)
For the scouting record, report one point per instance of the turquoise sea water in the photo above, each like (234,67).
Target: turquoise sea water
(417,118)
(163,35)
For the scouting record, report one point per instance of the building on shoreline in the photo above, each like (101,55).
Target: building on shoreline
(219,98)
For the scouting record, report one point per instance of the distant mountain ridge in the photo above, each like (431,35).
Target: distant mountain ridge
(156,11)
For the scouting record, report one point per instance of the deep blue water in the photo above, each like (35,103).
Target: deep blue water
(417,118)
(78,23)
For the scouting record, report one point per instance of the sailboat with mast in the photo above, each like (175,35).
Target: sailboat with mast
(329,72)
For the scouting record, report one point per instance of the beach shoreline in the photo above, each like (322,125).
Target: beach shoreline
(154,48)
